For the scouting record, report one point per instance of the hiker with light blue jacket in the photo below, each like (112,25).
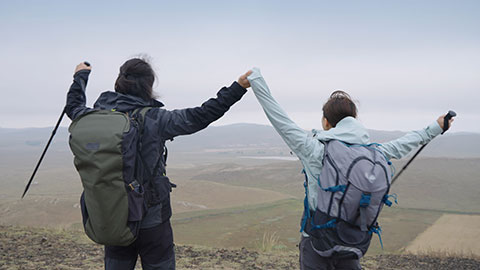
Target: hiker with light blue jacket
(340,125)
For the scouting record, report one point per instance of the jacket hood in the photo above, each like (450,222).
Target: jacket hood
(112,100)
(348,130)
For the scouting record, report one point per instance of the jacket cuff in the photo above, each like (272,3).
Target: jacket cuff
(84,73)
(255,74)
(237,90)
(434,129)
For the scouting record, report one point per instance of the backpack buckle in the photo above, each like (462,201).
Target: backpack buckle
(365,200)
(134,185)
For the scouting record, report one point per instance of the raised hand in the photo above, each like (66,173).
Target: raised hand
(243,81)
(440,121)
(83,66)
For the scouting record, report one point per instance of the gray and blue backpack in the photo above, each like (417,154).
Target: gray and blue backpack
(353,187)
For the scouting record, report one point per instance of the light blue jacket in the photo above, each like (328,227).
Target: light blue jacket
(309,148)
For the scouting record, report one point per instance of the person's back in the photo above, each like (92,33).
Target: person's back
(133,90)
(339,123)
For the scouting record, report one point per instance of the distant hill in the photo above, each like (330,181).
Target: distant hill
(237,136)
(30,138)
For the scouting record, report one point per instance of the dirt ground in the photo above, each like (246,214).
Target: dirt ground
(42,249)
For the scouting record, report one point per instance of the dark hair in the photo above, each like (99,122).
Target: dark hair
(339,106)
(136,78)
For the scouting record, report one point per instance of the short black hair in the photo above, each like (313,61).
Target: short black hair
(339,106)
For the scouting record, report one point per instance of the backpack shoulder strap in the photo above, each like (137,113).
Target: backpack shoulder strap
(139,115)
(140,112)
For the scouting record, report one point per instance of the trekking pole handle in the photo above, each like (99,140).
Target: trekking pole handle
(86,63)
(446,120)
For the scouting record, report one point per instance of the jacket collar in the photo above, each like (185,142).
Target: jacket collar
(112,100)
(348,130)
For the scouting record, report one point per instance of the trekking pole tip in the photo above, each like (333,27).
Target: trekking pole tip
(24,192)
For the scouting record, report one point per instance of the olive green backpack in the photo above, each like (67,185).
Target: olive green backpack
(105,146)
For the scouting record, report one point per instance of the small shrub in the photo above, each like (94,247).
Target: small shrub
(270,242)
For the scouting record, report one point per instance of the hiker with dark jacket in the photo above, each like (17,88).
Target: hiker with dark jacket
(340,124)
(133,90)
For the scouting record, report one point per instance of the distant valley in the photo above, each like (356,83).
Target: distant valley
(239,182)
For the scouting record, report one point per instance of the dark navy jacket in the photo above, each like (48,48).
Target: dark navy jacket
(159,125)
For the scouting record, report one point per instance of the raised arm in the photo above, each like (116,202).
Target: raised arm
(297,139)
(400,147)
(191,120)
(76,98)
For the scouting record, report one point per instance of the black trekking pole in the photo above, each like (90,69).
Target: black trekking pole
(446,126)
(46,147)
(43,153)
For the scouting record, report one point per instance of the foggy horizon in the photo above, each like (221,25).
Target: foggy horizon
(405,63)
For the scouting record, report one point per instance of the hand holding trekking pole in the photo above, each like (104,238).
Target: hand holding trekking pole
(445,121)
(81,66)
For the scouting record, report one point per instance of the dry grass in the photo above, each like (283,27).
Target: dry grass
(451,235)
(269,241)
(200,195)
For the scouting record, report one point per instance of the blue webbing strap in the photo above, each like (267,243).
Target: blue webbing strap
(386,200)
(376,149)
(306,207)
(377,230)
(331,224)
(365,200)
(332,189)
(364,203)
(336,188)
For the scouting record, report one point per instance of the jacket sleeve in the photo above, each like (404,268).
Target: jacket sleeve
(297,139)
(76,98)
(191,120)
(400,147)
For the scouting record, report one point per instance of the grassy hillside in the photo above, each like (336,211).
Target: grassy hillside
(226,200)
(235,204)
(246,226)
(428,183)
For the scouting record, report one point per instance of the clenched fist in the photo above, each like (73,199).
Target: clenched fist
(440,121)
(82,66)
(243,80)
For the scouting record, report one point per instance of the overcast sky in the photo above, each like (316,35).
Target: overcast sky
(405,62)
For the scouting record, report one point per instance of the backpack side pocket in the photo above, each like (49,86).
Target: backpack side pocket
(136,205)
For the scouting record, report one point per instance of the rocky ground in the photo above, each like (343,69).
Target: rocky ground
(32,248)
